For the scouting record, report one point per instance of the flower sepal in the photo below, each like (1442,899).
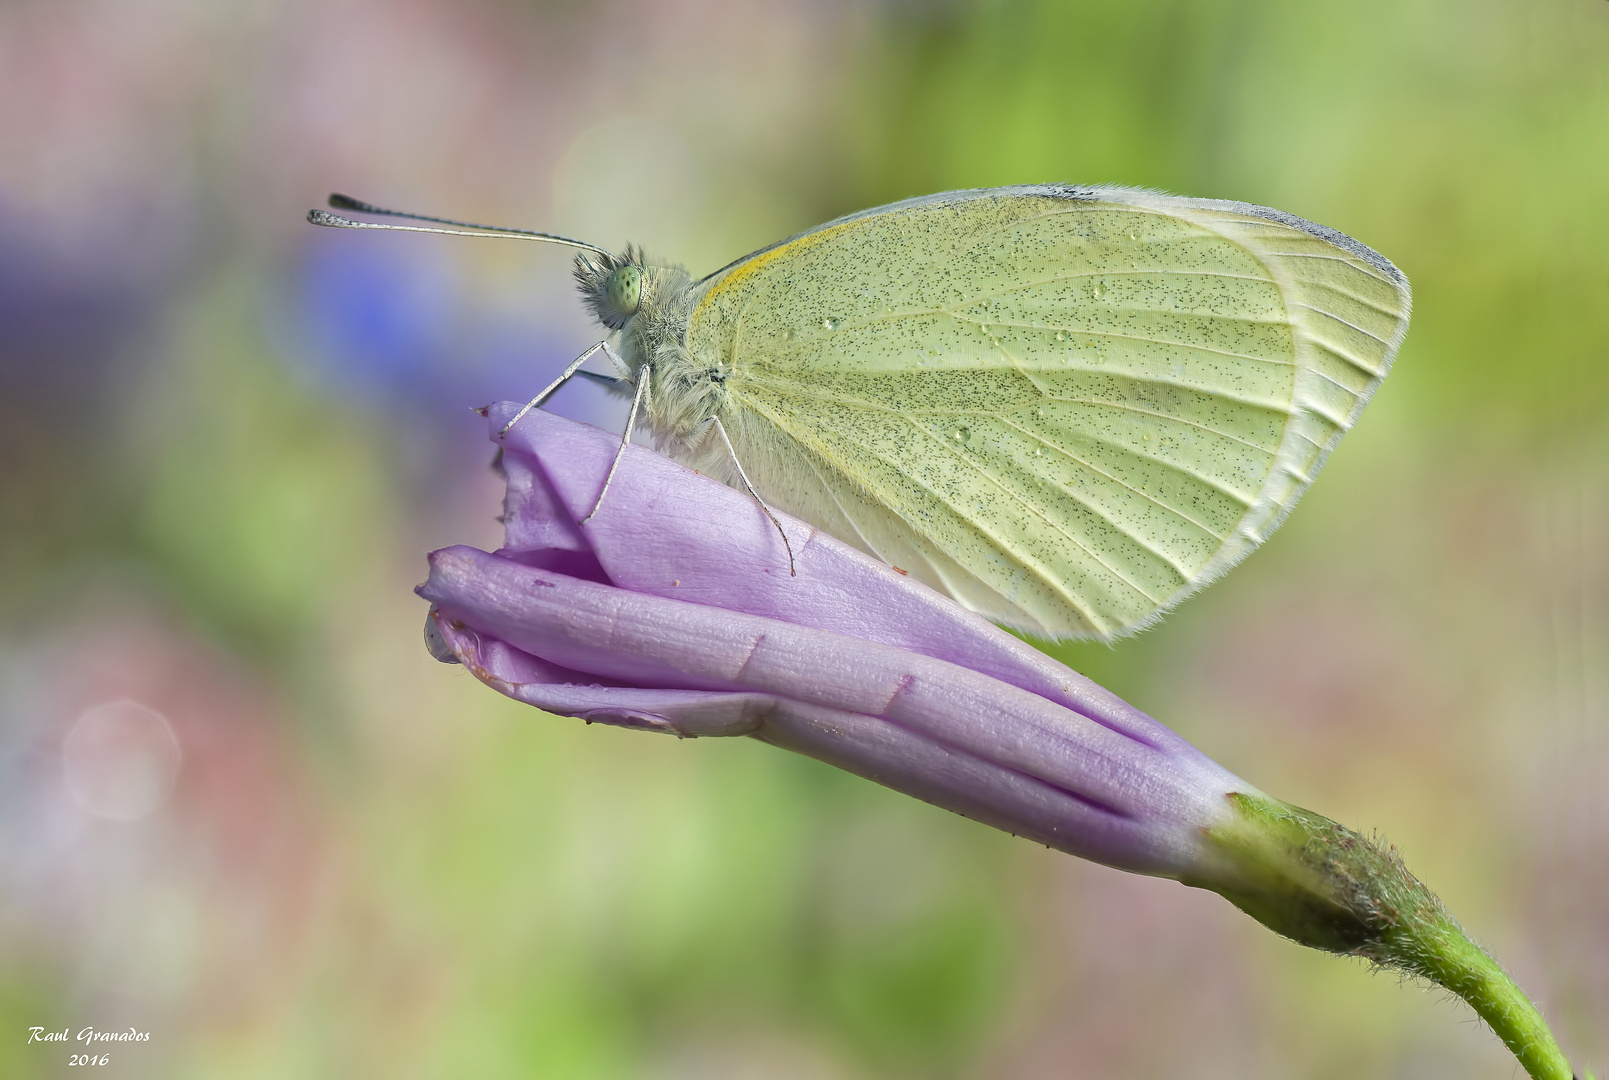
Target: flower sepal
(1325,886)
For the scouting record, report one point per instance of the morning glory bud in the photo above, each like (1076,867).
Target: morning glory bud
(673,609)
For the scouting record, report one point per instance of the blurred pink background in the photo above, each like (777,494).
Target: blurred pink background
(243,811)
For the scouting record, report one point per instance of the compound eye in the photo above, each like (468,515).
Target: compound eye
(623,290)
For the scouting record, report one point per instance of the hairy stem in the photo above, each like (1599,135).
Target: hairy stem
(1323,885)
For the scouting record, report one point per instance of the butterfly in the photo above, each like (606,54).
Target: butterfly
(1067,407)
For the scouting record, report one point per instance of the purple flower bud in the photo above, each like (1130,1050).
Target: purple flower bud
(673,609)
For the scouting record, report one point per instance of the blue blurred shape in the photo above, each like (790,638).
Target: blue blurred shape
(375,319)
(389,324)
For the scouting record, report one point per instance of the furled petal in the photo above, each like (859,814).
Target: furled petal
(673,609)
(674,646)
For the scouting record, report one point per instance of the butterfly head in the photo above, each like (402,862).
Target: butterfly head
(614,287)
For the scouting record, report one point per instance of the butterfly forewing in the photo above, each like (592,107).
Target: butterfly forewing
(1067,409)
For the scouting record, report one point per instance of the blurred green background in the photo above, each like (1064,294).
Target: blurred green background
(240,807)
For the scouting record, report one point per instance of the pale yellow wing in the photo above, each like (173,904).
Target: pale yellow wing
(1069,408)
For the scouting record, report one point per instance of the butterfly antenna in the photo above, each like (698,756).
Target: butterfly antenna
(793,570)
(460,228)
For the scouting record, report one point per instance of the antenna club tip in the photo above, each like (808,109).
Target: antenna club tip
(345,202)
(324,217)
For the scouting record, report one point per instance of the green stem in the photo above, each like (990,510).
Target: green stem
(1323,885)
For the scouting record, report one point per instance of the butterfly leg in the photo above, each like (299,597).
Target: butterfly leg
(793,570)
(637,400)
(617,387)
(566,376)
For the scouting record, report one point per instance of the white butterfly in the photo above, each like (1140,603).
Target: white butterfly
(1069,408)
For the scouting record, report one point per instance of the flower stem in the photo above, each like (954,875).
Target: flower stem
(1323,885)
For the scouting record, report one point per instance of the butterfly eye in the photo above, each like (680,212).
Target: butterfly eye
(623,290)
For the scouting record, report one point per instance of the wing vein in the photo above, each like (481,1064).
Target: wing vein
(1364,267)
(789,387)
(1020,286)
(1098,403)
(1343,322)
(833,495)
(1356,298)
(1124,484)
(1346,357)
(1183,573)
(1036,511)
(1333,382)
(1122,337)
(1216,485)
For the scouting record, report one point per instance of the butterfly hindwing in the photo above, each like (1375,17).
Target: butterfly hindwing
(1068,408)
